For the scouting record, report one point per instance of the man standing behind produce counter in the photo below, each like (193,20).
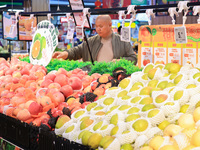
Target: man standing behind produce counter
(105,46)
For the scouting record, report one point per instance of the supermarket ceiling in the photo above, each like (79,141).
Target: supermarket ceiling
(63,4)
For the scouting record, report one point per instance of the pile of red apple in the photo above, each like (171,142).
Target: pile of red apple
(27,92)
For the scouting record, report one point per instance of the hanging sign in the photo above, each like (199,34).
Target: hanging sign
(79,17)
(44,43)
(180,34)
(125,34)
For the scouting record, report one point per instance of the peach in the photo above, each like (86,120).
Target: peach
(21,106)
(9,71)
(61,79)
(66,90)
(45,100)
(23,115)
(4,93)
(69,73)
(95,76)
(41,92)
(99,91)
(15,111)
(87,89)
(94,85)
(54,90)
(80,74)
(16,74)
(15,80)
(86,81)
(75,83)
(46,83)
(39,83)
(33,86)
(103,78)
(76,71)
(62,105)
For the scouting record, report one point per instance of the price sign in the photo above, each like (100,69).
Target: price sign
(125,34)
(70,33)
(180,34)
(79,32)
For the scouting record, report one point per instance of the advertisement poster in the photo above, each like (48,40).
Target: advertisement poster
(9,27)
(170,51)
(189,53)
(147,53)
(160,52)
(27,27)
(174,51)
(115,4)
(44,43)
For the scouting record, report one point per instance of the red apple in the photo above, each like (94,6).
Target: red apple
(75,83)
(34,108)
(50,76)
(57,113)
(54,86)
(61,79)
(46,83)
(77,70)
(61,71)
(66,90)
(62,105)
(58,97)
(25,71)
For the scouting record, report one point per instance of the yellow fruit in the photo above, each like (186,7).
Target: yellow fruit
(133,110)
(161,98)
(135,99)
(79,113)
(178,95)
(172,130)
(186,121)
(189,147)
(86,123)
(196,114)
(145,91)
(132,117)
(146,148)
(124,83)
(108,101)
(140,125)
(35,49)
(124,107)
(163,124)
(114,130)
(152,83)
(168,147)
(174,68)
(151,73)
(107,143)
(94,140)
(146,100)
(184,108)
(178,79)
(148,107)
(156,142)
(148,67)
(162,84)
(105,139)
(98,125)
(153,113)
(196,139)
(86,135)
(114,119)
(122,93)
(126,147)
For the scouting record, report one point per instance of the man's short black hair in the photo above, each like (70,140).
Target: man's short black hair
(119,29)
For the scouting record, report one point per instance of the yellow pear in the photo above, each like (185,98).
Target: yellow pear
(156,142)
(168,147)
(196,114)
(196,139)
(186,121)
(94,140)
(172,130)
(146,148)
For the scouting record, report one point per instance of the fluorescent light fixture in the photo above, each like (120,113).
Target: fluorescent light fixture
(2,6)
(20,10)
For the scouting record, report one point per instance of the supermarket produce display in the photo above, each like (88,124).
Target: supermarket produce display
(158,103)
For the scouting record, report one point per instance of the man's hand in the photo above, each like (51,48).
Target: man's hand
(114,60)
(60,55)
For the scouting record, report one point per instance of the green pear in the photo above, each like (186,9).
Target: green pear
(79,113)
(174,68)
(101,96)
(161,98)
(170,84)
(124,83)
(126,97)
(166,75)
(114,119)
(81,134)
(69,129)
(155,89)
(114,107)
(134,88)
(148,67)
(151,73)
(167,66)
(125,132)
(104,127)
(126,146)
(148,107)
(124,107)
(133,110)
(85,137)
(136,99)
(196,75)
(178,95)
(108,101)
(86,123)
(163,124)
(153,83)
(140,125)
(146,100)
(172,76)
(145,91)
(107,143)
(162,84)
(132,117)
(94,140)
(153,113)
(61,121)
(100,113)
(114,130)
(178,79)
(145,76)
(105,139)
(191,86)
(90,106)
(98,108)
(169,103)
(122,93)
(184,108)
(138,83)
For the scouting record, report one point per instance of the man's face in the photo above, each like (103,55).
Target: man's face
(103,28)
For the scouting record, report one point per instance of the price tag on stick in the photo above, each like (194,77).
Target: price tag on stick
(70,33)
(180,34)
(125,34)
(79,32)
